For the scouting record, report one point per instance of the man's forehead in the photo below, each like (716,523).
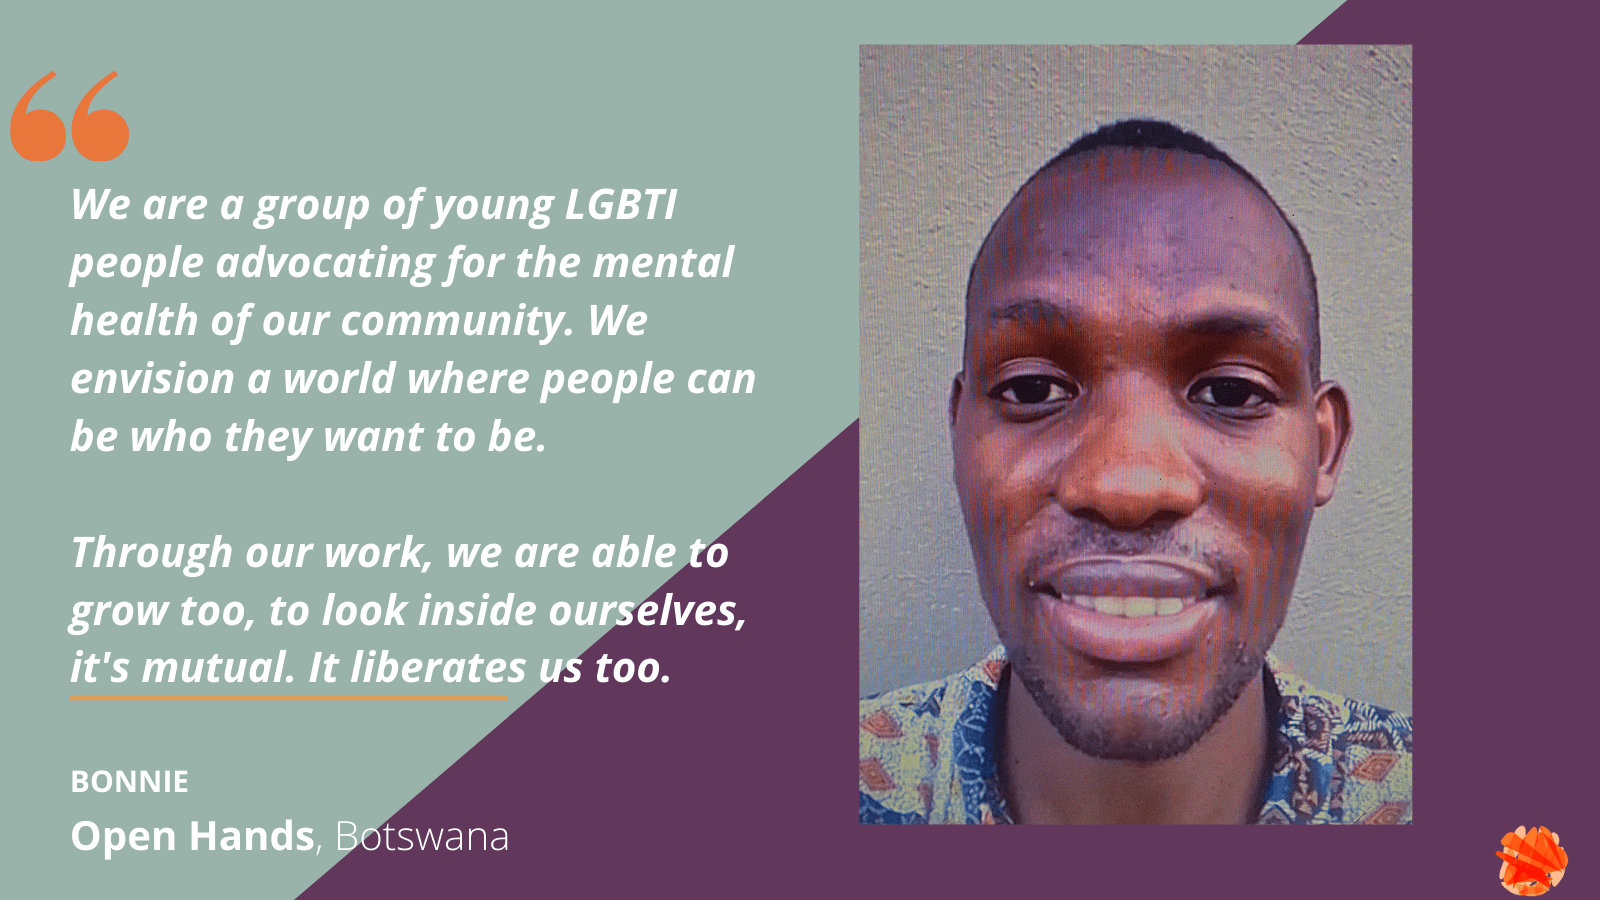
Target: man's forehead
(1171,221)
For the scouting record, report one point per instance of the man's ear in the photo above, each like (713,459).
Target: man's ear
(955,399)
(1333,436)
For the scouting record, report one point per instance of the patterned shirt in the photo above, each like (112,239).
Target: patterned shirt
(929,752)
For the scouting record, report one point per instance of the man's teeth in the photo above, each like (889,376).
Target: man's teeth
(1134,607)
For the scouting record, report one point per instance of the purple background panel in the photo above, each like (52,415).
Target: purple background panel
(1504,358)
(721,778)
(734,778)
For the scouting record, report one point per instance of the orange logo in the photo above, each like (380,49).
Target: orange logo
(39,135)
(1534,861)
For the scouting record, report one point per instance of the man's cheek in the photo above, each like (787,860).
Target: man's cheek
(1270,474)
(1270,498)
(996,499)
(986,473)
(1020,472)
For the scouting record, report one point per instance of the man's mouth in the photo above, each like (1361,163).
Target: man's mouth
(1128,609)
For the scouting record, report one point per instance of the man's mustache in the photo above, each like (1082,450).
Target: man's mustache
(1089,538)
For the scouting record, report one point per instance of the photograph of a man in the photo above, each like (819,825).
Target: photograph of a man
(1141,432)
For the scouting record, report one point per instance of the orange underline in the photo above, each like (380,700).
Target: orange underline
(282,697)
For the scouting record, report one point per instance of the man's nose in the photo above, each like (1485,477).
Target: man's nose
(1130,468)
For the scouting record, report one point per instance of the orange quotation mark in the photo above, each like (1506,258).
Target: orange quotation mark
(1533,862)
(39,135)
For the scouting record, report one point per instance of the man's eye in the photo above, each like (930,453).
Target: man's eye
(1230,394)
(1031,390)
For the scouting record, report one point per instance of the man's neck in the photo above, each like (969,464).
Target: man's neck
(1217,781)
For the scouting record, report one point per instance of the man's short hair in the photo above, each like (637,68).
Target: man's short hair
(1153,134)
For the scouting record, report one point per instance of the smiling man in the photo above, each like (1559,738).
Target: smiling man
(1141,434)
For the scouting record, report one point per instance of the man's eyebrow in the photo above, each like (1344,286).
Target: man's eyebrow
(1231,325)
(1032,311)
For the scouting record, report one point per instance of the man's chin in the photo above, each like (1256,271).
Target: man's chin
(1155,732)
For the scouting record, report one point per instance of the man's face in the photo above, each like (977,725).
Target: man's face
(1140,441)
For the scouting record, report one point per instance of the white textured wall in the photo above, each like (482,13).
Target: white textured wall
(948,133)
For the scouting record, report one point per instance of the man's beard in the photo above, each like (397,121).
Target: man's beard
(1174,734)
